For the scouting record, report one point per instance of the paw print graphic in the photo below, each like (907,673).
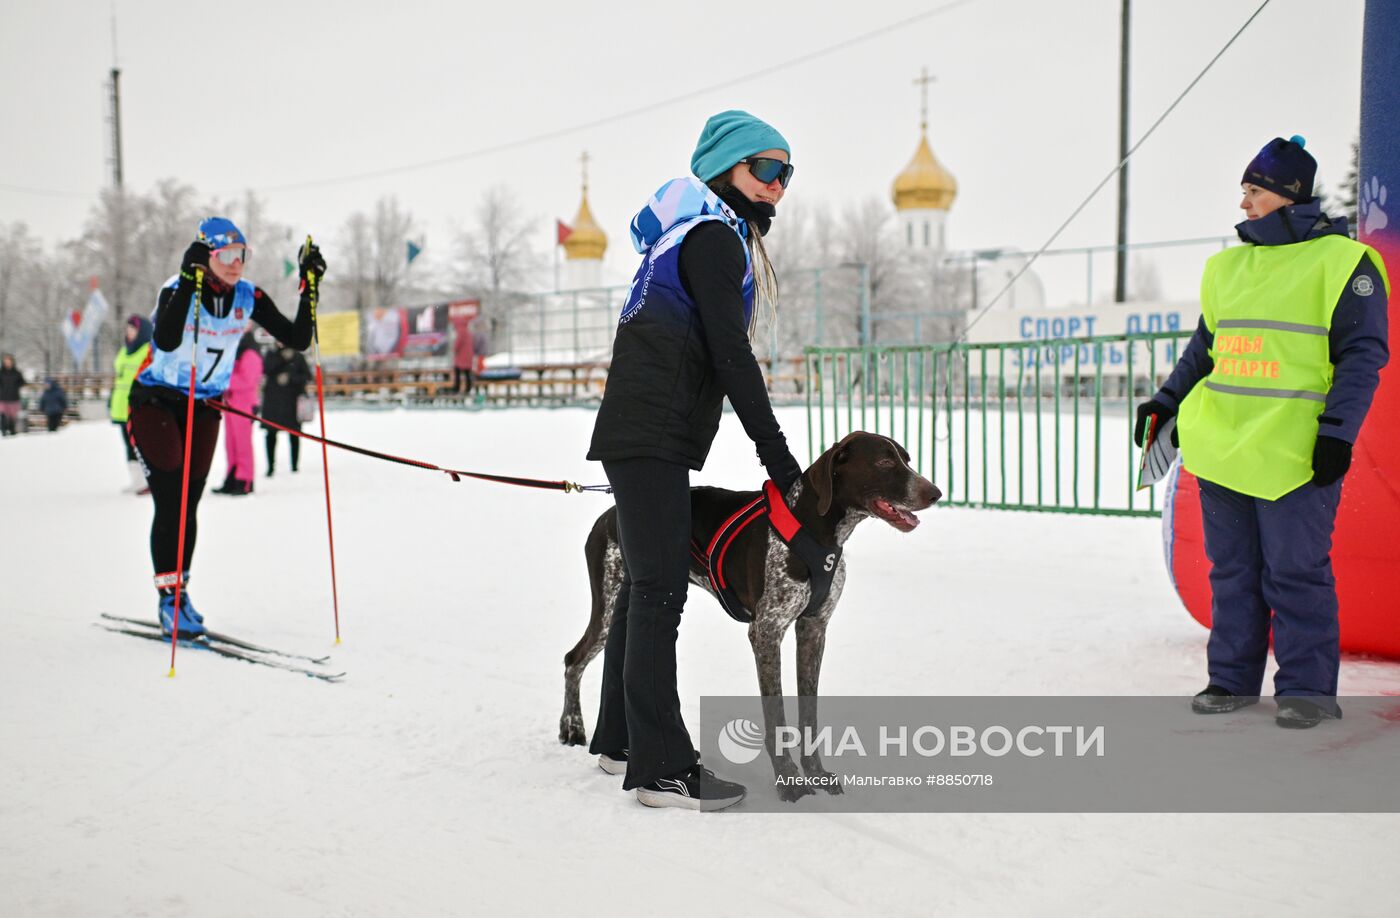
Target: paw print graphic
(1369,206)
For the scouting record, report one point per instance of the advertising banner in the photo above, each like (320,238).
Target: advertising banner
(339,333)
(1050,345)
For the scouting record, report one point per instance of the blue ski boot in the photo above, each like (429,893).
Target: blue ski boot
(191,622)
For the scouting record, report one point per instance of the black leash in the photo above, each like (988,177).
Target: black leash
(455,474)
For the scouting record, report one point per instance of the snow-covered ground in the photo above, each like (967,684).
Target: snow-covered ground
(431,782)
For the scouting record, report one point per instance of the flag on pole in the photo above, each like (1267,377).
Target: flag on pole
(413,251)
(81,327)
(562,231)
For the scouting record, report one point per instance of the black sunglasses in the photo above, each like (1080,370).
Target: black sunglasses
(766,170)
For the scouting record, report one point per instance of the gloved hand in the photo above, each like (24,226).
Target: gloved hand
(311,262)
(1331,459)
(196,256)
(1151,409)
(784,470)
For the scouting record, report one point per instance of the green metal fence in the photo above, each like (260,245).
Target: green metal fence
(1028,425)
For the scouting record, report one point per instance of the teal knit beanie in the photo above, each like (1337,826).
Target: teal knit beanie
(729,137)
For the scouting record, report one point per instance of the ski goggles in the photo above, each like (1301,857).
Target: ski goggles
(229,254)
(766,170)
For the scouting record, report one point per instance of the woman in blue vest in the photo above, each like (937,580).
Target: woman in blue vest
(158,397)
(682,346)
(1287,356)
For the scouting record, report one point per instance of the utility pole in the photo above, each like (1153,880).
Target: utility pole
(1120,292)
(117,248)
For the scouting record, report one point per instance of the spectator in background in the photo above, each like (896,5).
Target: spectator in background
(53,403)
(11,381)
(463,358)
(286,375)
(125,366)
(242,393)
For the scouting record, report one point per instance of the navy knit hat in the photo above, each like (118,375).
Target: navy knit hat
(729,137)
(1285,168)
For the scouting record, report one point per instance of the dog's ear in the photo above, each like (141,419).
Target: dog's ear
(903,453)
(821,474)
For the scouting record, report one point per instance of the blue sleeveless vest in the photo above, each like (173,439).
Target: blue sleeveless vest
(218,346)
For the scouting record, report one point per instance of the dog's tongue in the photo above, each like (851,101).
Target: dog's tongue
(897,517)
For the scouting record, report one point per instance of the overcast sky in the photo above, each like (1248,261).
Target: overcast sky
(280,96)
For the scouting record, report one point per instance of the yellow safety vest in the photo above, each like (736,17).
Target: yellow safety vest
(1251,425)
(125,367)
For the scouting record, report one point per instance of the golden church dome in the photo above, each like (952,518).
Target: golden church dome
(924,184)
(587,240)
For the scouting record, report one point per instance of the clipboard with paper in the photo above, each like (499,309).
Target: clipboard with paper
(1158,453)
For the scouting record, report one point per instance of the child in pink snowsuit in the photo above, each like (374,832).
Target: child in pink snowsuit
(242,393)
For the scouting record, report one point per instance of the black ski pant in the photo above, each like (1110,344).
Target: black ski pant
(158,434)
(640,709)
(461,380)
(295,447)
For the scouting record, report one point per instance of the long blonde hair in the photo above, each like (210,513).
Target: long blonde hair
(765,284)
(765,279)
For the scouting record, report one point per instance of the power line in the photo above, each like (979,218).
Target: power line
(1111,173)
(624,115)
(46,192)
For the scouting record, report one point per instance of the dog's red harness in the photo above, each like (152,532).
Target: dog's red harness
(820,560)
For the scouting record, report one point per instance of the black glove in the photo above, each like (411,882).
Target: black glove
(1152,409)
(784,470)
(1331,459)
(311,262)
(196,256)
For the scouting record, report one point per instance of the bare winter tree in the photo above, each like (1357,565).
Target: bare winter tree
(375,256)
(870,239)
(496,255)
(19,255)
(132,243)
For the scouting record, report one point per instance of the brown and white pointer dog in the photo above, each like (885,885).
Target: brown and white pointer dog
(865,475)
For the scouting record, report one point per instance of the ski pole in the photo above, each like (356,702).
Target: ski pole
(321,410)
(185,474)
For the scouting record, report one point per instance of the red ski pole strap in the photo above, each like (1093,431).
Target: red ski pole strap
(455,474)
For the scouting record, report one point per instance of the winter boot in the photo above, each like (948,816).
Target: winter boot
(191,622)
(137,484)
(1215,700)
(1295,713)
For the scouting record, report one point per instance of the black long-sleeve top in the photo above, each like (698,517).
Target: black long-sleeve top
(173,306)
(712,264)
(673,367)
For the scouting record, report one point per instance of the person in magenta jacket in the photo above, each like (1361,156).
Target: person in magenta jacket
(242,393)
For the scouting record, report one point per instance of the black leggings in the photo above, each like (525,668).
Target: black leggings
(640,709)
(272,449)
(158,433)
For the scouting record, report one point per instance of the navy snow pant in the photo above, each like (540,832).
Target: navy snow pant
(1272,555)
(641,709)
